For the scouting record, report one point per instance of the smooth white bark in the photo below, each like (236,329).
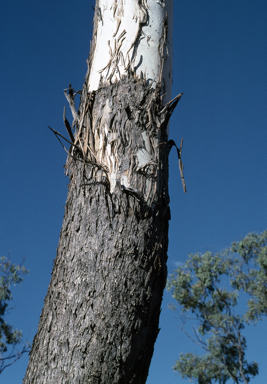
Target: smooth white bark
(136,34)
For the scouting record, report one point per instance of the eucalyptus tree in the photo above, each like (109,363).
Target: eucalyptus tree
(207,289)
(10,338)
(101,313)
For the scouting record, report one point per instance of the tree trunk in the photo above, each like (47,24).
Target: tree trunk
(101,313)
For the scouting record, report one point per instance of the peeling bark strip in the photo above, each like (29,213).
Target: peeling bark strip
(124,131)
(101,313)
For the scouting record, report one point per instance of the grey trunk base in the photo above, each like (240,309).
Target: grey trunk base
(101,313)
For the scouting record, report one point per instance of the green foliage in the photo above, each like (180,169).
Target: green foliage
(201,289)
(251,273)
(10,274)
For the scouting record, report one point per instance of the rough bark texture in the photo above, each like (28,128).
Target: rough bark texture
(101,313)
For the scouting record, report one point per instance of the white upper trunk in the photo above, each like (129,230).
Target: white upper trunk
(136,34)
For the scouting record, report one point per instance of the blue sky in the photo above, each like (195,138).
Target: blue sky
(220,58)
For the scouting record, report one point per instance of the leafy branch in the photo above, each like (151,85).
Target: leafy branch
(10,274)
(198,289)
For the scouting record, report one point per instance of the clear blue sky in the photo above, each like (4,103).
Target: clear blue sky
(220,60)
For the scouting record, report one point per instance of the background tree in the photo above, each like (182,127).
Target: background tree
(10,338)
(202,290)
(101,313)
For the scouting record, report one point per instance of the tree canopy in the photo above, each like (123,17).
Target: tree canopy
(10,274)
(208,288)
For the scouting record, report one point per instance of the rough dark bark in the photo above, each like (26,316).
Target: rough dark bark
(101,313)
